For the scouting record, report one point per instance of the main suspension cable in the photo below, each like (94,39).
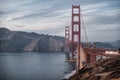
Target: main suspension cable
(84,29)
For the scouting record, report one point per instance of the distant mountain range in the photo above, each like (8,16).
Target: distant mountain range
(15,41)
(22,41)
(108,45)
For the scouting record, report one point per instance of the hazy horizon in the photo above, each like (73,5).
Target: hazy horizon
(56,35)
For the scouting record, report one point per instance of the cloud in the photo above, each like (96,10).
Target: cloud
(51,31)
(102,15)
(44,13)
(2,12)
(50,16)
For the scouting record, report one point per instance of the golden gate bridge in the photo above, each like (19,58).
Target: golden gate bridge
(84,54)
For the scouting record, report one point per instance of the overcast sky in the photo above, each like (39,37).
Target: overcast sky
(101,17)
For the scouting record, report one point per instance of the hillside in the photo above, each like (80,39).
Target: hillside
(23,41)
(108,69)
(115,44)
(104,45)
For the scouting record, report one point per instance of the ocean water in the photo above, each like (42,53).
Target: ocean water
(34,66)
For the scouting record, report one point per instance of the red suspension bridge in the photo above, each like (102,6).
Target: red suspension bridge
(84,55)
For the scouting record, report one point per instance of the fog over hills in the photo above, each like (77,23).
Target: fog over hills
(15,41)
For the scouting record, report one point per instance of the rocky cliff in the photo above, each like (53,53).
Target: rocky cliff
(23,41)
(108,69)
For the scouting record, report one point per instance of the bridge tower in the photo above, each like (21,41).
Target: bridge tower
(67,37)
(76,27)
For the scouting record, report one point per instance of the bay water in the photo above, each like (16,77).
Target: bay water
(34,66)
